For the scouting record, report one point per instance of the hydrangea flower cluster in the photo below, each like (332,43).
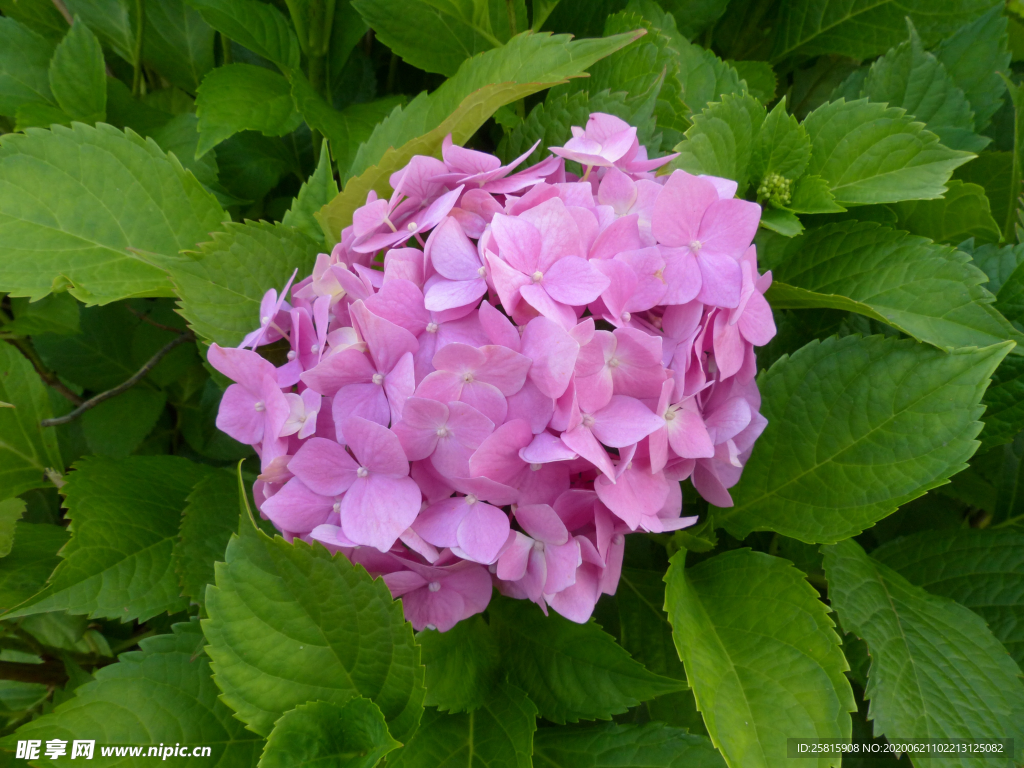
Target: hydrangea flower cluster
(499,372)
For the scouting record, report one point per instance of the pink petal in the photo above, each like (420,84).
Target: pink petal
(574,281)
(399,385)
(562,560)
(377,448)
(560,236)
(542,523)
(689,436)
(553,352)
(545,448)
(721,280)
(624,421)
(682,276)
(497,457)
(238,416)
(498,327)
(728,227)
(531,405)
(621,235)
(417,431)
(439,523)
(296,508)
(378,508)
(638,492)
(538,298)
(451,252)
(514,560)
(482,533)
(350,366)
(367,401)
(518,241)
(445,294)
(582,440)
(680,207)
(324,467)
(386,341)
(503,368)
(400,302)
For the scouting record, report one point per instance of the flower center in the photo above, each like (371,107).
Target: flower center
(538,546)
(362,472)
(412,226)
(614,363)
(587,420)
(471,499)
(670,414)
(291,354)
(535,467)
(337,506)
(434,586)
(377,378)
(442,431)
(695,245)
(626,317)
(431,328)
(264,320)
(468,378)
(482,271)
(537,276)
(260,406)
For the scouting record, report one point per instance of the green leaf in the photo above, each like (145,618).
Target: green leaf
(78,75)
(570,671)
(936,670)
(113,22)
(653,745)
(781,146)
(241,97)
(759,77)
(39,115)
(861,29)
(1004,403)
(431,34)
(721,140)
(180,136)
(221,284)
(73,201)
(315,192)
(160,694)
(98,358)
(177,43)
(124,516)
(929,291)
(761,655)
(463,665)
(346,129)
(963,213)
(645,631)
(532,62)
(862,449)
(56,313)
(998,262)
(258,26)
(991,170)
(973,55)
(871,153)
(290,623)
(31,561)
(41,17)
(782,221)
(116,427)
(209,519)
(11,511)
(981,569)
(26,449)
(812,194)
(353,735)
(498,735)
(911,78)
(24,61)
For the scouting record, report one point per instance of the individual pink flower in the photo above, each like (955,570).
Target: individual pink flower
(253,408)
(712,232)
(683,430)
(302,414)
(623,421)
(543,560)
(604,142)
(483,171)
(538,479)
(472,529)
(461,272)
(439,598)
(540,263)
(274,319)
(749,323)
(447,434)
(626,361)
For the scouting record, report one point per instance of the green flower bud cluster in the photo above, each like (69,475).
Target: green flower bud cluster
(775,188)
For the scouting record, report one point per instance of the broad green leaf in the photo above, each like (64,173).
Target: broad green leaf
(160,694)
(929,291)
(694,17)
(861,29)
(782,221)
(973,55)
(526,64)
(208,520)
(11,511)
(1004,403)
(781,146)
(180,136)
(570,671)
(498,735)
(963,213)
(252,164)
(221,284)
(352,735)
(434,35)
(78,77)
(124,519)
(871,153)
(198,426)
(463,665)
(98,358)
(759,77)
(991,170)
(761,655)
(290,623)
(315,192)
(346,129)
(125,111)
(73,201)
(24,61)
(113,21)
(910,77)
(653,745)
(26,449)
(177,43)
(258,26)
(241,97)
(834,460)
(721,140)
(936,670)
(980,569)
(24,571)
(39,115)
(1013,206)
(812,194)
(41,17)
(116,427)
(56,313)
(999,262)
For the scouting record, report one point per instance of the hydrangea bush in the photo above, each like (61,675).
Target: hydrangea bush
(510,384)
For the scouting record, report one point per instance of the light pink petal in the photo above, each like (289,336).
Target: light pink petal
(473,583)
(562,562)
(574,281)
(721,280)
(624,421)
(728,227)
(377,448)
(553,352)
(726,188)
(485,398)
(537,297)
(377,509)
(350,366)
(240,365)
(637,493)
(682,276)
(756,323)
(617,190)
(323,466)
(468,425)
(441,610)
(680,207)
(498,327)
(482,533)
(622,285)
(531,405)
(400,302)
(560,235)
(503,368)
(418,429)
(451,458)
(445,294)
(514,560)
(518,241)
(386,341)
(367,401)
(728,420)
(621,235)
(507,282)
(576,602)
(331,536)
(729,346)
(582,440)
(689,436)
(452,254)
(399,385)
(238,415)
(401,583)
(542,523)
(708,485)
(296,508)
(649,267)
(498,455)
(413,541)
(439,523)
(546,448)
(440,385)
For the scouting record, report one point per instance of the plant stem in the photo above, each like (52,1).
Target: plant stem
(510,9)
(138,81)
(392,71)
(225,50)
(45,373)
(135,379)
(59,5)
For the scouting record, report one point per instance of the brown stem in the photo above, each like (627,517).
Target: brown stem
(50,672)
(59,5)
(147,319)
(135,379)
(45,373)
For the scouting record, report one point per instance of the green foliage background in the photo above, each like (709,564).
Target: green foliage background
(164,162)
